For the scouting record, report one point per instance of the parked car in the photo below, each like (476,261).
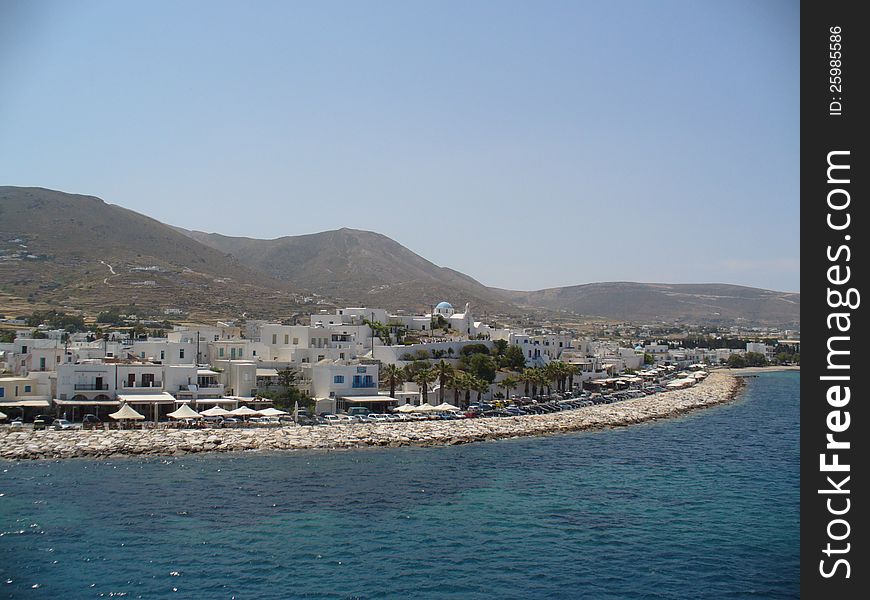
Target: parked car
(62,425)
(42,422)
(17,424)
(90,422)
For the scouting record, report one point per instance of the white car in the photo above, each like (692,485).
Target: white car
(62,425)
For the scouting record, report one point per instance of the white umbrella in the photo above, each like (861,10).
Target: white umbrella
(125,412)
(244,411)
(272,412)
(446,406)
(216,411)
(3,416)
(425,408)
(185,412)
(406,408)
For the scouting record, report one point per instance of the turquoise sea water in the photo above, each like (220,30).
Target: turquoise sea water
(704,506)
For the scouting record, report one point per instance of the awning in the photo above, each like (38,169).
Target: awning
(206,372)
(126,412)
(267,372)
(368,399)
(185,412)
(88,402)
(161,398)
(217,401)
(27,404)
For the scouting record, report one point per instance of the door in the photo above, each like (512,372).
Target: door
(131,380)
(98,383)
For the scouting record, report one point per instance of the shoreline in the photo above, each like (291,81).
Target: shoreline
(720,387)
(756,370)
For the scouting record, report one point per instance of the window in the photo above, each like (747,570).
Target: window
(23,349)
(28,388)
(254,353)
(338,379)
(2,392)
(274,338)
(286,339)
(320,357)
(42,363)
(295,341)
(181,353)
(162,354)
(141,355)
(360,369)
(341,356)
(221,351)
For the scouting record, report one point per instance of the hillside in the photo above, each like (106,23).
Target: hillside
(74,251)
(357,267)
(713,303)
(77,252)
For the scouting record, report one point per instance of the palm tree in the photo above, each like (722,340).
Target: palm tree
(481,386)
(443,371)
(539,380)
(508,383)
(463,381)
(571,371)
(393,375)
(551,376)
(423,378)
(527,377)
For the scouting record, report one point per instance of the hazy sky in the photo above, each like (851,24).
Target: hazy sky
(527,144)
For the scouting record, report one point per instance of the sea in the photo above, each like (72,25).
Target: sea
(701,506)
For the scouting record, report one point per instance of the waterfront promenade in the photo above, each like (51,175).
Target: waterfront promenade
(719,387)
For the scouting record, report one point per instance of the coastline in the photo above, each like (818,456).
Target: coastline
(756,370)
(718,388)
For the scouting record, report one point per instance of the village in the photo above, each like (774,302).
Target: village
(348,362)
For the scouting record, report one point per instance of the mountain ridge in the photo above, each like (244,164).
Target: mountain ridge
(72,237)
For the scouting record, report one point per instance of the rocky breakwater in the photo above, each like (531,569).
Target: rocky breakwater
(17,444)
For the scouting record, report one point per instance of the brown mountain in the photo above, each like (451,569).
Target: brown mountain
(653,302)
(357,267)
(78,252)
(68,250)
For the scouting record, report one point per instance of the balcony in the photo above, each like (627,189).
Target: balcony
(360,385)
(90,387)
(153,384)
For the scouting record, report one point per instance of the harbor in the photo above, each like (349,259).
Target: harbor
(718,388)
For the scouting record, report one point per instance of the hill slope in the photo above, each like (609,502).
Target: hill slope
(705,303)
(357,267)
(70,250)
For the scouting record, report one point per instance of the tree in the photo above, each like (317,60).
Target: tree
(482,366)
(527,377)
(423,378)
(648,358)
(736,361)
(513,358)
(288,377)
(7,336)
(470,349)
(508,383)
(443,372)
(481,386)
(571,371)
(500,347)
(755,359)
(392,375)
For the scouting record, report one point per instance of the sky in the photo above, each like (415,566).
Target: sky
(527,144)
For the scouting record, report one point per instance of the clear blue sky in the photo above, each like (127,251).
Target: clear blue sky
(527,144)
